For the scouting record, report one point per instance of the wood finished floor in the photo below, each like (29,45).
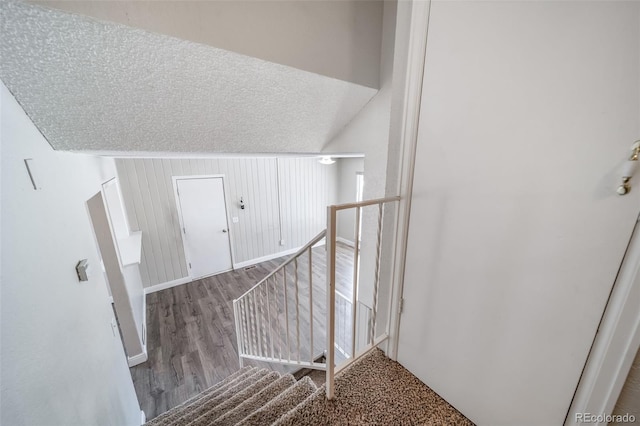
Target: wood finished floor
(191,340)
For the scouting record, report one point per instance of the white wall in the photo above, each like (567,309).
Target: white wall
(61,362)
(368,133)
(507,278)
(339,39)
(347,169)
(306,188)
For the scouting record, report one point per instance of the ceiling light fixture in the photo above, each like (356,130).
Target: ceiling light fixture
(326,159)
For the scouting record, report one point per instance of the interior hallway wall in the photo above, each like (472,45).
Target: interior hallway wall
(347,170)
(285,199)
(368,133)
(61,361)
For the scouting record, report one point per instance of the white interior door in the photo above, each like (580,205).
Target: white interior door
(205,231)
(516,233)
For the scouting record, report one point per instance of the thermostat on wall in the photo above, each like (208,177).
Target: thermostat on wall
(82,268)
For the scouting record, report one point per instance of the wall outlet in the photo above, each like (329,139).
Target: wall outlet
(234,219)
(281,242)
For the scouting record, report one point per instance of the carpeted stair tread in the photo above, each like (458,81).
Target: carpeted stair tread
(280,405)
(213,390)
(375,390)
(202,406)
(256,401)
(232,402)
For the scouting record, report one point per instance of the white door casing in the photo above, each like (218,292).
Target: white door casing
(204,225)
(516,232)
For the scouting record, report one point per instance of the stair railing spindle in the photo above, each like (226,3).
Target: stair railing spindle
(331,299)
(286,312)
(269,311)
(376,282)
(277,308)
(356,272)
(311,351)
(295,268)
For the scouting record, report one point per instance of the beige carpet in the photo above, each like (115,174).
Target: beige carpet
(372,391)
(375,391)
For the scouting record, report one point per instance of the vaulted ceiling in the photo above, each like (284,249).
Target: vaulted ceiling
(101,86)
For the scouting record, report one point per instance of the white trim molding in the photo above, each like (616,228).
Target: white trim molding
(143,418)
(616,343)
(257,260)
(168,284)
(345,241)
(239,265)
(408,136)
(137,359)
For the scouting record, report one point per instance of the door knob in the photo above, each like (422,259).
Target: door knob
(629,169)
(224,230)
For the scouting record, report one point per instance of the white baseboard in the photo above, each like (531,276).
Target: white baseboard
(345,241)
(168,284)
(246,263)
(163,286)
(137,359)
(143,418)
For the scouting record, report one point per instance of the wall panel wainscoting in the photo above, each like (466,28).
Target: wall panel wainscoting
(284,203)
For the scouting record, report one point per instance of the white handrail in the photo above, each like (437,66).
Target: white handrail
(297,254)
(331,240)
(260,333)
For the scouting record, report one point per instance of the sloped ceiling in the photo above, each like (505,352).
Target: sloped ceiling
(90,85)
(339,39)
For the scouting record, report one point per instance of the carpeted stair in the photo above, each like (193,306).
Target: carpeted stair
(250,396)
(373,390)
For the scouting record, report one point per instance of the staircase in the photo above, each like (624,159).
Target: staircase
(250,396)
(288,318)
(373,390)
(275,322)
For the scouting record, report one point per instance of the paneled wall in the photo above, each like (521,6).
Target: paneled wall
(285,199)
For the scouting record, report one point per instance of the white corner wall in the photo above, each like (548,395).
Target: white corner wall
(368,133)
(347,169)
(61,363)
(285,199)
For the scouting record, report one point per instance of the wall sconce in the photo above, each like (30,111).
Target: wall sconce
(241,203)
(326,159)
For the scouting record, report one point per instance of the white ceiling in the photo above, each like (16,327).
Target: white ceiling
(90,85)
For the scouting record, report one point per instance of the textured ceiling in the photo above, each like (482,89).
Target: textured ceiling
(339,39)
(89,85)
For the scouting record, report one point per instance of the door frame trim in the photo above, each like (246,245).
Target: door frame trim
(618,337)
(408,139)
(225,192)
(616,342)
